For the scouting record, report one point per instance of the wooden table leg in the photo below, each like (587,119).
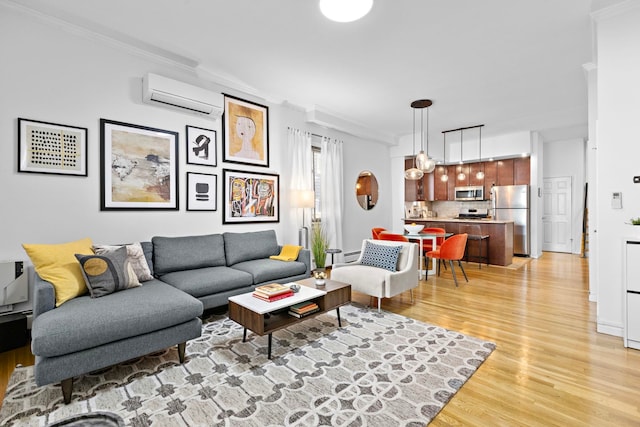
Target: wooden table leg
(244,335)
(269,348)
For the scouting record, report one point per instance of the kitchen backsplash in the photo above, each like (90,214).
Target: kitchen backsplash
(443,209)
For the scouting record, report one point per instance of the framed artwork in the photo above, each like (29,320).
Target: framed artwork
(138,167)
(201,146)
(202,192)
(51,148)
(246,132)
(250,197)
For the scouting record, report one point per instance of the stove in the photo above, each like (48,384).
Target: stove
(473,213)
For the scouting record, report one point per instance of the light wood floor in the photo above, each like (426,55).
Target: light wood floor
(550,367)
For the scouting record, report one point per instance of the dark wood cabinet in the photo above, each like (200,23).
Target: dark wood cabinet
(490,177)
(522,171)
(505,172)
(474,168)
(440,186)
(452,183)
(421,189)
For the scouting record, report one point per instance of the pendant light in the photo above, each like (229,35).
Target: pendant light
(461,175)
(445,176)
(413,174)
(423,162)
(480,173)
(345,10)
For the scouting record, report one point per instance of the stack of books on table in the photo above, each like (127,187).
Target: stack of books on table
(303,309)
(272,292)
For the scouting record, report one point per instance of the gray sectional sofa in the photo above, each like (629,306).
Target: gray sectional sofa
(191,274)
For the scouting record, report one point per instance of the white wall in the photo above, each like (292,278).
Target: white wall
(68,77)
(567,158)
(618,152)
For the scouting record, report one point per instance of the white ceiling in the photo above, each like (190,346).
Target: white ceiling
(512,65)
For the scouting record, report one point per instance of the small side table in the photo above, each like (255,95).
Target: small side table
(332,252)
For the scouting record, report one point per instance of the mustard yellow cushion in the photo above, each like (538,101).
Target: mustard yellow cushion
(58,264)
(288,253)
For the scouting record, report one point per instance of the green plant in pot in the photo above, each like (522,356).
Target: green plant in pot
(635,221)
(319,244)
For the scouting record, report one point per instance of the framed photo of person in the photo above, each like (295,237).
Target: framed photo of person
(202,192)
(246,132)
(201,146)
(138,167)
(250,197)
(51,148)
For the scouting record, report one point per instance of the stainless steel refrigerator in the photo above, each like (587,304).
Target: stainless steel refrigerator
(511,203)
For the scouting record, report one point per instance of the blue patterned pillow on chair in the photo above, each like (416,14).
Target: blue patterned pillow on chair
(381,256)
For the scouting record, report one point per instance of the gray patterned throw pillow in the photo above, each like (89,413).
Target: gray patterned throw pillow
(107,273)
(381,256)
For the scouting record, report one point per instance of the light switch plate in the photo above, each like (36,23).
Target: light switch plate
(616,200)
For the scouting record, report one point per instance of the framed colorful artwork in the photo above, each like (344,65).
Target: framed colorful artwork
(138,167)
(246,132)
(51,148)
(250,197)
(201,146)
(202,192)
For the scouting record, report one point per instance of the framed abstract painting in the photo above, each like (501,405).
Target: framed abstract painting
(246,132)
(202,192)
(250,197)
(201,146)
(138,167)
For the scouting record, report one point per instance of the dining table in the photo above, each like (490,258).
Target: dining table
(421,237)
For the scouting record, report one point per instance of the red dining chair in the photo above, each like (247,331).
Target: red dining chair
(427,245)
(451,250)
(392,236)
(375,232)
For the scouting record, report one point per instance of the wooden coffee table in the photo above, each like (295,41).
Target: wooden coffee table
(263,318)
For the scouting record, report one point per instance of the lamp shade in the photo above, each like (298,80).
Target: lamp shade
(302,198)
(345,10)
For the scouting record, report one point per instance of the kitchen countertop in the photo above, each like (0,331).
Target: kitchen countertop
(443,219)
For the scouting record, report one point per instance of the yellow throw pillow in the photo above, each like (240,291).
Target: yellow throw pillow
(58,264)
(288,253)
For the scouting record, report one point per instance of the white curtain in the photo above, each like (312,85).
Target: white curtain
(301,161)
(331,194)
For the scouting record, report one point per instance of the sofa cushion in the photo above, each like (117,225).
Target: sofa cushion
(108,272)
(264,270)
(147,248)
(241,247)
(57,264)
(135,255)
(83,323)
(207,281)
(186,253)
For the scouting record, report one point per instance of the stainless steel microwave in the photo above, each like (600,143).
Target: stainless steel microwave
(470,193)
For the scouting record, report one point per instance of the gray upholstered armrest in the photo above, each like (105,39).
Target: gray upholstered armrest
(305,256)
(44,296)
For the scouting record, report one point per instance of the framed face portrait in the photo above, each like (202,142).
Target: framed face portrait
(201,146)
(246,132)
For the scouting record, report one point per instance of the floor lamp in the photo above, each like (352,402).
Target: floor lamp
(303,199)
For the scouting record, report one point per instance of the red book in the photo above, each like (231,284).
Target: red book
(275,297)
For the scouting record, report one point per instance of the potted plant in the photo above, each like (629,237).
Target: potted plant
(319,244)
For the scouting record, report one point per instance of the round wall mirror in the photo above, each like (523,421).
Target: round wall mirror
(367,190)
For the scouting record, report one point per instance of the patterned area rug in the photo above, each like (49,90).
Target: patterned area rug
(379,369)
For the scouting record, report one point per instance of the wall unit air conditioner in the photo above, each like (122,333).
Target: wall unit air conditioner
(161,90)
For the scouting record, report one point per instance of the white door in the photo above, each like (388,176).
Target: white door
(556,217)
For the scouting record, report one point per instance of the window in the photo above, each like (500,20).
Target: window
(317,212)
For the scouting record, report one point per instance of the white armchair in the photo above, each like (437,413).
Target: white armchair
(380,282)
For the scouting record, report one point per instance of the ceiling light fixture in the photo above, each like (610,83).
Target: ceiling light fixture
(445,174)
(345,10)
(423,162)
(413,174)
(480,173)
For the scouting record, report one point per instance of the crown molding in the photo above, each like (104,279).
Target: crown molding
(614,10)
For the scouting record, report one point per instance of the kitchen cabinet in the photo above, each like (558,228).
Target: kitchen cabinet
(474,168)
(490,177)
(440,187)
(522,171)
(505,172)
(451,184)
(421,189)
(464,170)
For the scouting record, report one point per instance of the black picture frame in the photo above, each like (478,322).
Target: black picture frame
(202,191)
(202,146)
(138,167)
(246,132)
(250,197)
(52,148)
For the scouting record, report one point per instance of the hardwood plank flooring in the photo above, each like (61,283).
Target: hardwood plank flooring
(550,368)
